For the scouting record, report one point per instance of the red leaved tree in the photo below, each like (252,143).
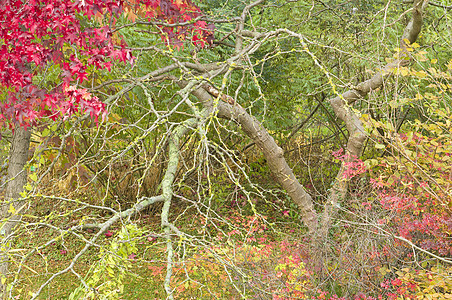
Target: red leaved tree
(67,37)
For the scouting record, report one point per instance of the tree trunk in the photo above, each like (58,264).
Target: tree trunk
(17,178)
(357,134)
(229,109)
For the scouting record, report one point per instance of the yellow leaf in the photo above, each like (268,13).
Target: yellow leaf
(420,74)
(434,61)
(383,271)
(45,132)
(11,209)
(33,176)
(415,45)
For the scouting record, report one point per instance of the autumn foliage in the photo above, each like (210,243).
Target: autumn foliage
(67,37)
(37,35)
(245,240)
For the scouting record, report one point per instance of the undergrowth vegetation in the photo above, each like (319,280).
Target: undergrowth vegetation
(246,243)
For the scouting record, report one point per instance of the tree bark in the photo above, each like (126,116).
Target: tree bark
(167,193)
(17,178)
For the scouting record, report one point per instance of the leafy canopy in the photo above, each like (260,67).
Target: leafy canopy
(69,38)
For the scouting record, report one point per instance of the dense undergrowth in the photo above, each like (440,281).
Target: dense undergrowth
(245,246)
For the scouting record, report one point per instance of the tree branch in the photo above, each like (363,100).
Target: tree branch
(357,134)
(226,107)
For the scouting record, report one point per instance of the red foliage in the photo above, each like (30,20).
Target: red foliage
(416,190)
(37,34)
(180,12)
(352,165)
